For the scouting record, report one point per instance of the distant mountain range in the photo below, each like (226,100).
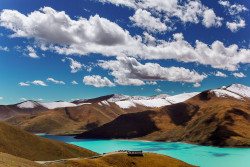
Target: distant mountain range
(81,115)
(123,101)
(218,117)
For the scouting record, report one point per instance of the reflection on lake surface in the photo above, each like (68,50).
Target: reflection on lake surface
(203,156)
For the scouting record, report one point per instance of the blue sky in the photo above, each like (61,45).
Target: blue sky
(120,46)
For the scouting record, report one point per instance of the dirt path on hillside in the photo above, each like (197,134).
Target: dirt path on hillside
(65,160)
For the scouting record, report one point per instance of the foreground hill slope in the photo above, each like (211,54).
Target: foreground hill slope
(19,143)
(122,160)
(7,160)
(218,117)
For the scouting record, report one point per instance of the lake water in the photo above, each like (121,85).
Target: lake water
(193,154)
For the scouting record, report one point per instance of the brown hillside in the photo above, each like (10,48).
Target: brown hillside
(19,143)
(122,160)
(71,120)
(204,119)
(125,126)
(219,122)
(7,160)
(7,111)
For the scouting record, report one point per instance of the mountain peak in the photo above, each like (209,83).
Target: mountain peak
(28,104)
(239,86)
(119,96)
(239,89)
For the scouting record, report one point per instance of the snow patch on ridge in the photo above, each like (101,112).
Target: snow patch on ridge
(181,97)
(240,89)
(224,94)
(152,103)
(53,105)
(125,104)
(105,103)
(155,101)
(27,104)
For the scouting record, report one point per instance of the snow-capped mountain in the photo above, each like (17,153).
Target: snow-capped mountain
(31,107)
(239,89)
(218,117)
(236,91)
(181,97)
(125,102)
(90,113)
(50,105)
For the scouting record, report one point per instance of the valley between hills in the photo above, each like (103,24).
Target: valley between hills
(217,117)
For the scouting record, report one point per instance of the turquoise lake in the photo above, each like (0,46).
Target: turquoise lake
(193,154)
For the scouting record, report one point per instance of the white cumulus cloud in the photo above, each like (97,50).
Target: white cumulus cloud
(99,35)
(38,82)
(128,71)
(55,81)
(97,81)
(233,9)
(74,65)
(74,83)
(48,25)
(32,52)
(4,48)
(188,11)
(235,26)
(158,90)
(211,20)
(128,3)
(220,74)
(239,75)
(145,20)
(35,82)
(151,83)
(23,84)
(1,98)
(196,85)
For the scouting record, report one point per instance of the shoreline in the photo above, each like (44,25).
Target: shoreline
(141,140)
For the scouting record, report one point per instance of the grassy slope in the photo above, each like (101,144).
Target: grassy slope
(204,119)
(7,111)
(23,144)
(122,160)
(218,121)
(7,160)
(70,120)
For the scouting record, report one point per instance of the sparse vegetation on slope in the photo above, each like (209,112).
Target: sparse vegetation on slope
(219,122)
(204,119)
(122,160)
(17,142)
(7,111)
(7,160)
(70,120)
